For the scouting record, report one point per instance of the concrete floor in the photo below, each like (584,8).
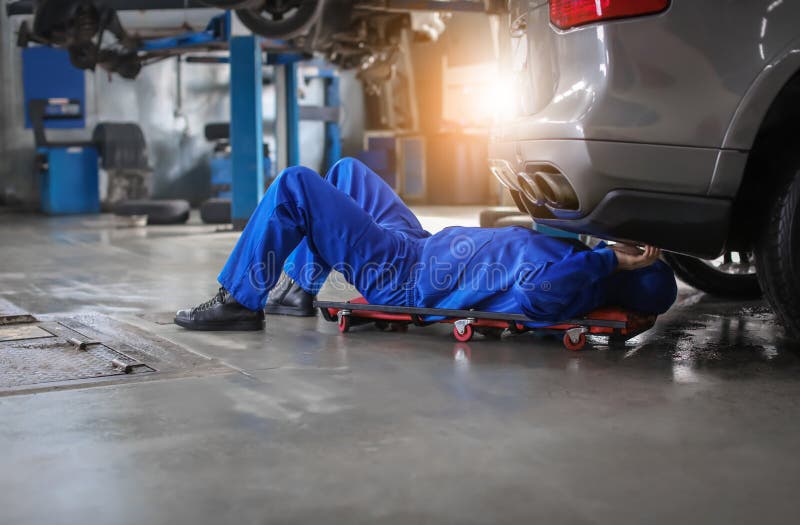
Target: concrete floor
(697,421)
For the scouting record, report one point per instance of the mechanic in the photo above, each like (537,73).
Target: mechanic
(353,222)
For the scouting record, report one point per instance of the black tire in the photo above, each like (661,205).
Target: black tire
(305,14)
(523,221)
(157,211)
(121,146)
(230,4)
(216,211)
(218,131)
(489,217)
(777,252)
(699,274)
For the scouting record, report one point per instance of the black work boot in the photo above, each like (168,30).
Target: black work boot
(288,298)
(221,312)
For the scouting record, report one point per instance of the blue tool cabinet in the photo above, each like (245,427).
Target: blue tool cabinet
(69,180)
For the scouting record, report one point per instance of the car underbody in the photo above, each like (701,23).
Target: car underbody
(367,35)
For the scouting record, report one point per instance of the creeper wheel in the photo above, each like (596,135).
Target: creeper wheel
(465,336)
(344,323)
(578,345)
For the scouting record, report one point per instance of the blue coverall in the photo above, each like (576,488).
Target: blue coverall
(353,222)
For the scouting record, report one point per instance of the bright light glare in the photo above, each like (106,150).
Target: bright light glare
(500,98)
(477,96)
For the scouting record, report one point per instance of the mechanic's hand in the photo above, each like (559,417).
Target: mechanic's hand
(630,257)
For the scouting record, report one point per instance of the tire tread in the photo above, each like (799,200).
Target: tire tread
(777,267)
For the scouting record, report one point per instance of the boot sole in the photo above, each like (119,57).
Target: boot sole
(275,309)
(238,326)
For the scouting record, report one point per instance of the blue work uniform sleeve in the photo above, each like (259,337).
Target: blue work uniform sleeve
(563,290)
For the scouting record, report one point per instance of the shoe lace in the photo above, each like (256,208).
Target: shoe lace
(220,298)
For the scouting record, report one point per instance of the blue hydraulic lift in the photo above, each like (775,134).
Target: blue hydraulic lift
(246,60)
(329,113)
(247,128)
(246,123)
(246,132)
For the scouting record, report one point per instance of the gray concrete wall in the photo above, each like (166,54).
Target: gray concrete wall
(171,107)
(16,146)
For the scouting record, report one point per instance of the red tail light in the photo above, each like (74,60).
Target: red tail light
(565,14)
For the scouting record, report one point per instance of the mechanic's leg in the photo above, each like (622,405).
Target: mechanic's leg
(339,233)
(650,290)
(372,195)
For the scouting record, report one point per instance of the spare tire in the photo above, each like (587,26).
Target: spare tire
(216,211)
(157,211)
(121,146)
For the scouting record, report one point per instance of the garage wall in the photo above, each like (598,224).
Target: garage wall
(172,102)
(16,151)
(172,115)
(456,167)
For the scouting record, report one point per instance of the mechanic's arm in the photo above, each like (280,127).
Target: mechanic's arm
(556,291)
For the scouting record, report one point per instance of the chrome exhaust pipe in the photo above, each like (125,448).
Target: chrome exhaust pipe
(558,192)
(530,189)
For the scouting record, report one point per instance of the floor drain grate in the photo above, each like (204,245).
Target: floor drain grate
(52,352)
(21,332)
(10,314)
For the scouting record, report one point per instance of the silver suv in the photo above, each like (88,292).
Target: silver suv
(673,123)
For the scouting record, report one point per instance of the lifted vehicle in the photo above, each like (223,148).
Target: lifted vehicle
(365,34)
(668,122)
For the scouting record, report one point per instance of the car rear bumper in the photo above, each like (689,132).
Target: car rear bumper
(663,195)
(681,223)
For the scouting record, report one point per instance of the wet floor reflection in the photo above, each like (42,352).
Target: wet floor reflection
(700,339)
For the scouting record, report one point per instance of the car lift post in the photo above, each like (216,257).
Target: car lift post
(333,139)
(292,114)
(247,150)
(247,154)
(329,113)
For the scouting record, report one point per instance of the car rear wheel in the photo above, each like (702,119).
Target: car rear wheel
(732,275)
(281,19)
(778,252)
